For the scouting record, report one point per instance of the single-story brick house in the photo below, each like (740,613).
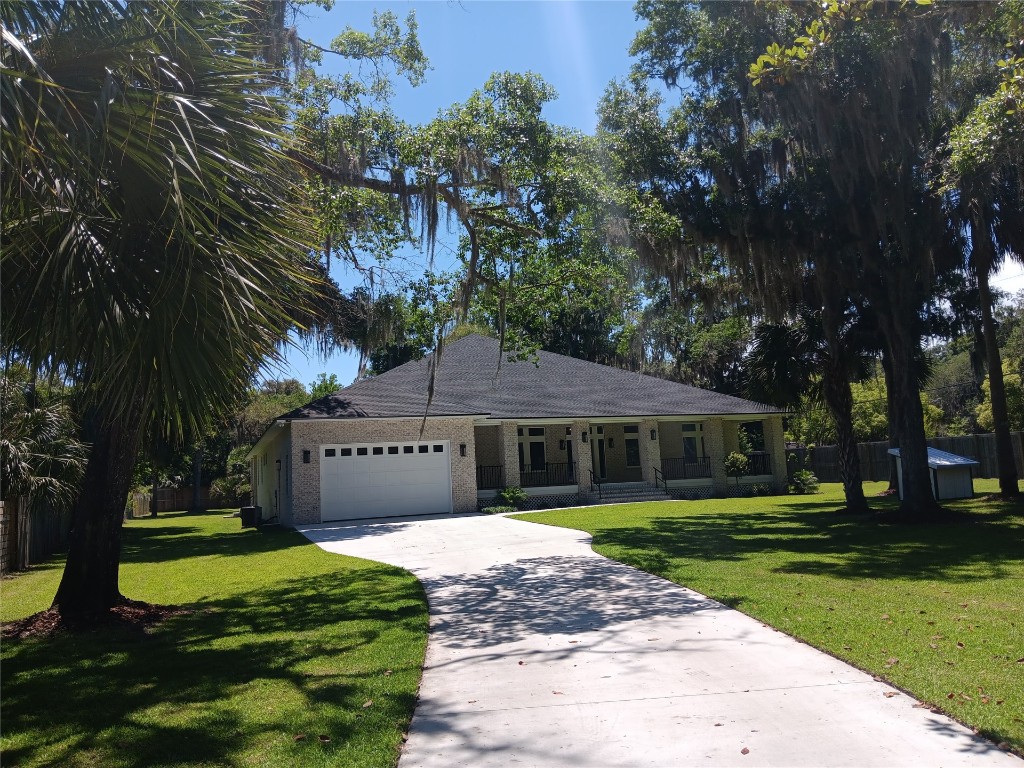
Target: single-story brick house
(565,430)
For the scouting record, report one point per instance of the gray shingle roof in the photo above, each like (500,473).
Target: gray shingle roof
(469,383)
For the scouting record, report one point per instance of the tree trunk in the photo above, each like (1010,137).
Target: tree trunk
(88,587)
(18,509)
(154,492)
(839,400)
(981,252)
(894,432)
(197,477)
(918,500)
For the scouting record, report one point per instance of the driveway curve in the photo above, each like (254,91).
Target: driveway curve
(544,653)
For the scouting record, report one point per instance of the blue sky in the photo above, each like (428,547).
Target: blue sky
(577,47)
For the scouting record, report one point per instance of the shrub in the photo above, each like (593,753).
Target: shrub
(231,491)
(498,510)
(803,482)
(513,496)
(736,465)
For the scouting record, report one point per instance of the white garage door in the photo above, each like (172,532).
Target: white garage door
(360,480)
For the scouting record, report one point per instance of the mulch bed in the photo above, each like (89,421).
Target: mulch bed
(130,614)
(998,497)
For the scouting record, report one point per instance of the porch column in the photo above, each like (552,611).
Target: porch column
(714,444)
(509,446)
(650,450)
(775,444)
(581,453)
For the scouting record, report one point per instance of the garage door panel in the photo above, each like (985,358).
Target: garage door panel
(385,483)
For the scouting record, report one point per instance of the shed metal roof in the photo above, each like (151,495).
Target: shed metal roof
(938,459)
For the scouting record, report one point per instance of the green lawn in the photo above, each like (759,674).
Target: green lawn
(283,639)
(937,610)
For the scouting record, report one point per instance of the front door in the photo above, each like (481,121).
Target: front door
(571,468)
(600,468)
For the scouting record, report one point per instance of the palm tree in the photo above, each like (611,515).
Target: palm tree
(151,247)
(801,359)
(41,459)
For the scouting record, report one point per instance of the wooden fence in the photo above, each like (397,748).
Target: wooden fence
(167,500)
(875,460)
(30,533)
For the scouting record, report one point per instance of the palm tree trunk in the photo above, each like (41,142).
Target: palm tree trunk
(89,586)
(981,251)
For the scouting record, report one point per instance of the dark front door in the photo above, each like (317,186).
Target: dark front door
(537,462)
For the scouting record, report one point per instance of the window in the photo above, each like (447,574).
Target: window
(631,429)
(305,457)
(632,452)
(378,451)
(392,450)
(346,451)
(424,448)
(438,449)
(360,451)
(329,452)
(536,431)
(406,449)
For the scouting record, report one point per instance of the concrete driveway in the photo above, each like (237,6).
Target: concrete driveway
(543,653)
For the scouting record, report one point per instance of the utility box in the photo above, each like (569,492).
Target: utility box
(250,516)
(952,475)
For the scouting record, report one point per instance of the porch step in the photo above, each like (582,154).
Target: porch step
(624,493)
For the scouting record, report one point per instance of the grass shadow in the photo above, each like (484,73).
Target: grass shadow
(823,542)
(157,543)
(238,677)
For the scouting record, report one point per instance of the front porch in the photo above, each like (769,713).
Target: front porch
(679,457)
(492,477)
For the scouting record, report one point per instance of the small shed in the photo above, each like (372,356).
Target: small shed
(952,476)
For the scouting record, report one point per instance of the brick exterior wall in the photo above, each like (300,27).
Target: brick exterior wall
(488,446)
(265,477)
(311,434)
(714,444)
(650,450)
(775,444)
(731,437)
(582,452)
(615,455)
(670,435)
(553,435)
(509,445)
